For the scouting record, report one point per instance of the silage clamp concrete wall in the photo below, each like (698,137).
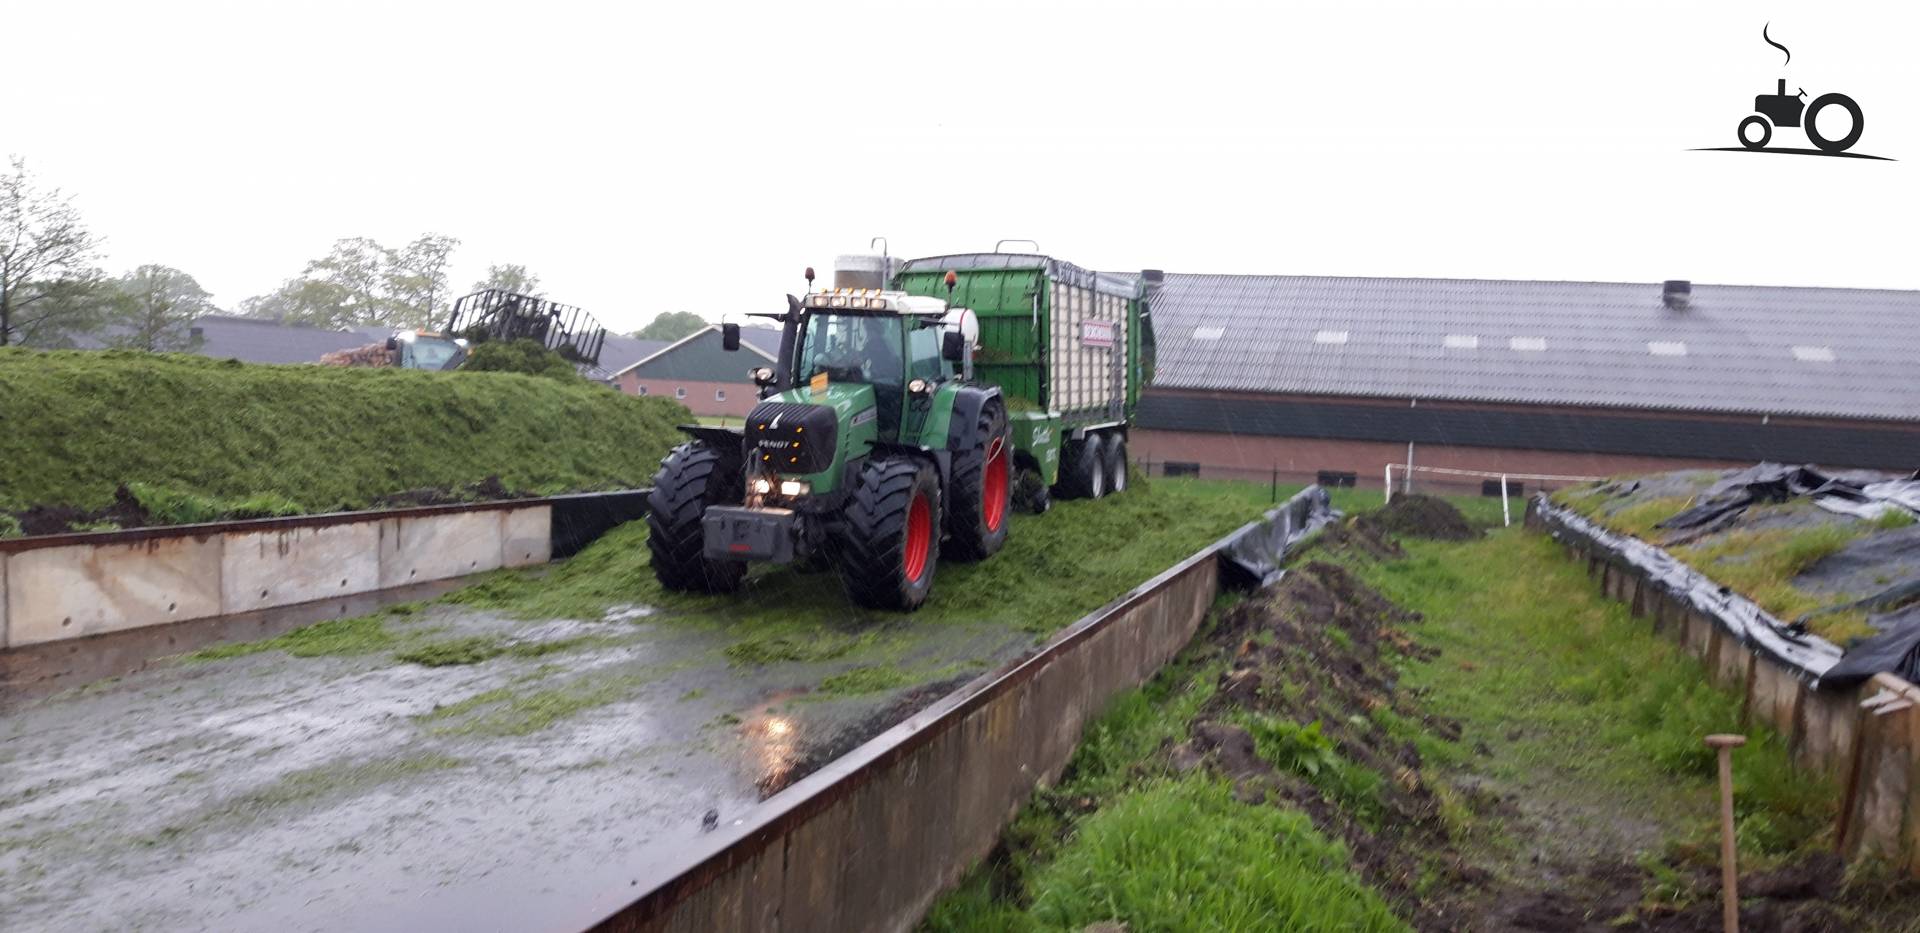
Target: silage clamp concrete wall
(72,586)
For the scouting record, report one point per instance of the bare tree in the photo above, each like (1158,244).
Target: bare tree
(156,308)
(46,262)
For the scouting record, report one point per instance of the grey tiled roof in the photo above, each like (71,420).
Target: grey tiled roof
(621,351)
(254,340)
(1735,348)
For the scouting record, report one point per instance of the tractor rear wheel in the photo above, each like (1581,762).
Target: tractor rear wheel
(1084,474)
(982,490)
(691,478)
(1116,465)
(892,536)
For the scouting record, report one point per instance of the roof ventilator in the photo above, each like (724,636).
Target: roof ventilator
(1676,294)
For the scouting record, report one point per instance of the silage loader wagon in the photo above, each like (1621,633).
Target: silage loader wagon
(1070,348)
(904,417)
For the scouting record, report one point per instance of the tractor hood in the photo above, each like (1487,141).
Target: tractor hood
(803,433)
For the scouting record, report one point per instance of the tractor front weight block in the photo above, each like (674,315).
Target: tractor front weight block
(735,533)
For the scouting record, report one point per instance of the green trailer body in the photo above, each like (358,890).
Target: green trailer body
(1053,336)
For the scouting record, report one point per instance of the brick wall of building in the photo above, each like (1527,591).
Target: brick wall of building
(1299,460)
(701,397)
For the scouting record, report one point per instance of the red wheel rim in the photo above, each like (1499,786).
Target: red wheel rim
(919,537)
(993,487)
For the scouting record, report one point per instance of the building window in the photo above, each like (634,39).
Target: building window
(1176,468)
(640,390)
(1491,487)
(1335,478)
(719,395)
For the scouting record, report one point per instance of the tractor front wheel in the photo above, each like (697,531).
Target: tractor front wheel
(691,478)
(982,490)
(1758,140)
(892,542)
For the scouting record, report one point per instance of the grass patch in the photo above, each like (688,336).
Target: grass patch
(360,635)
(264,438)
(1893,519)
(1305,751)
(1640,518)
(1184,855)
(863,680)
(1582,700)
(782,649)
(1761,564)
(474,649)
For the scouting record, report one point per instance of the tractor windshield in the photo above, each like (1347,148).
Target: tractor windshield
(433,353)
(853,348)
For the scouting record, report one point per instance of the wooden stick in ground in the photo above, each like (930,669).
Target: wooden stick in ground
(1729,872)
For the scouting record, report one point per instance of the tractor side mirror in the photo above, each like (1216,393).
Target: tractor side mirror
(729,337)
(953,346)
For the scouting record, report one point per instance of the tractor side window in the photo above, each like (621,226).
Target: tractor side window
(923,354)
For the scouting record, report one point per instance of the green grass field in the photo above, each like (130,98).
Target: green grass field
(307,438)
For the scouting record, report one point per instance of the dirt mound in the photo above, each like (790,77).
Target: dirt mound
(1311,681)
(1424,517)
(125,512)
(1363,535)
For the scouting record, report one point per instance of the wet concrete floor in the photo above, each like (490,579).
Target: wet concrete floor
(361,791)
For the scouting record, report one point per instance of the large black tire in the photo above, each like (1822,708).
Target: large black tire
(1116,464)
(892,536)
(1084,474)
(1811,125)
(1766,132)
(691,478)
(982,489)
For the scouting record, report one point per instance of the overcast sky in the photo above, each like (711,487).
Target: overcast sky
(645,158)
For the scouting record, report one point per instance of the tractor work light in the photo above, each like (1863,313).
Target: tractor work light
(760,485)
(795,487)
(919,387)
(761,375)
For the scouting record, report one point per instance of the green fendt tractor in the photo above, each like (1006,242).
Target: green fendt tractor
(882,445)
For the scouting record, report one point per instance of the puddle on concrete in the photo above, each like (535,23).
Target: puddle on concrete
(358,792)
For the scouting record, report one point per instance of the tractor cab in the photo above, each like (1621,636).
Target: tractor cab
(411,349)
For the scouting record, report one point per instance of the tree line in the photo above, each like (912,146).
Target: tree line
(53,293)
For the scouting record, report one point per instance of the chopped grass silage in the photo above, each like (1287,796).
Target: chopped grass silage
(274,439)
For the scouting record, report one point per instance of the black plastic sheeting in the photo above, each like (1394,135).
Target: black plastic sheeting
(581,518)
(1809,656)
(1895,650)
(1252,558)
(1849,493)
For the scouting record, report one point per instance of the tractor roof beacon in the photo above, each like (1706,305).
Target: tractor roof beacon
(880,446)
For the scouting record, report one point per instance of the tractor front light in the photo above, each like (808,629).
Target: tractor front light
(793,488)
(760,485)
(919,387)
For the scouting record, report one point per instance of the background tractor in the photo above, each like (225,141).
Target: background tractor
(880,447)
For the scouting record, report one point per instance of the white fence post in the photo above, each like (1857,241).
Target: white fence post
(1389,499)
(1506,517)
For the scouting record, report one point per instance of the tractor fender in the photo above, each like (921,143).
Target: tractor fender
(967,404)
(942,459)
(733,439)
